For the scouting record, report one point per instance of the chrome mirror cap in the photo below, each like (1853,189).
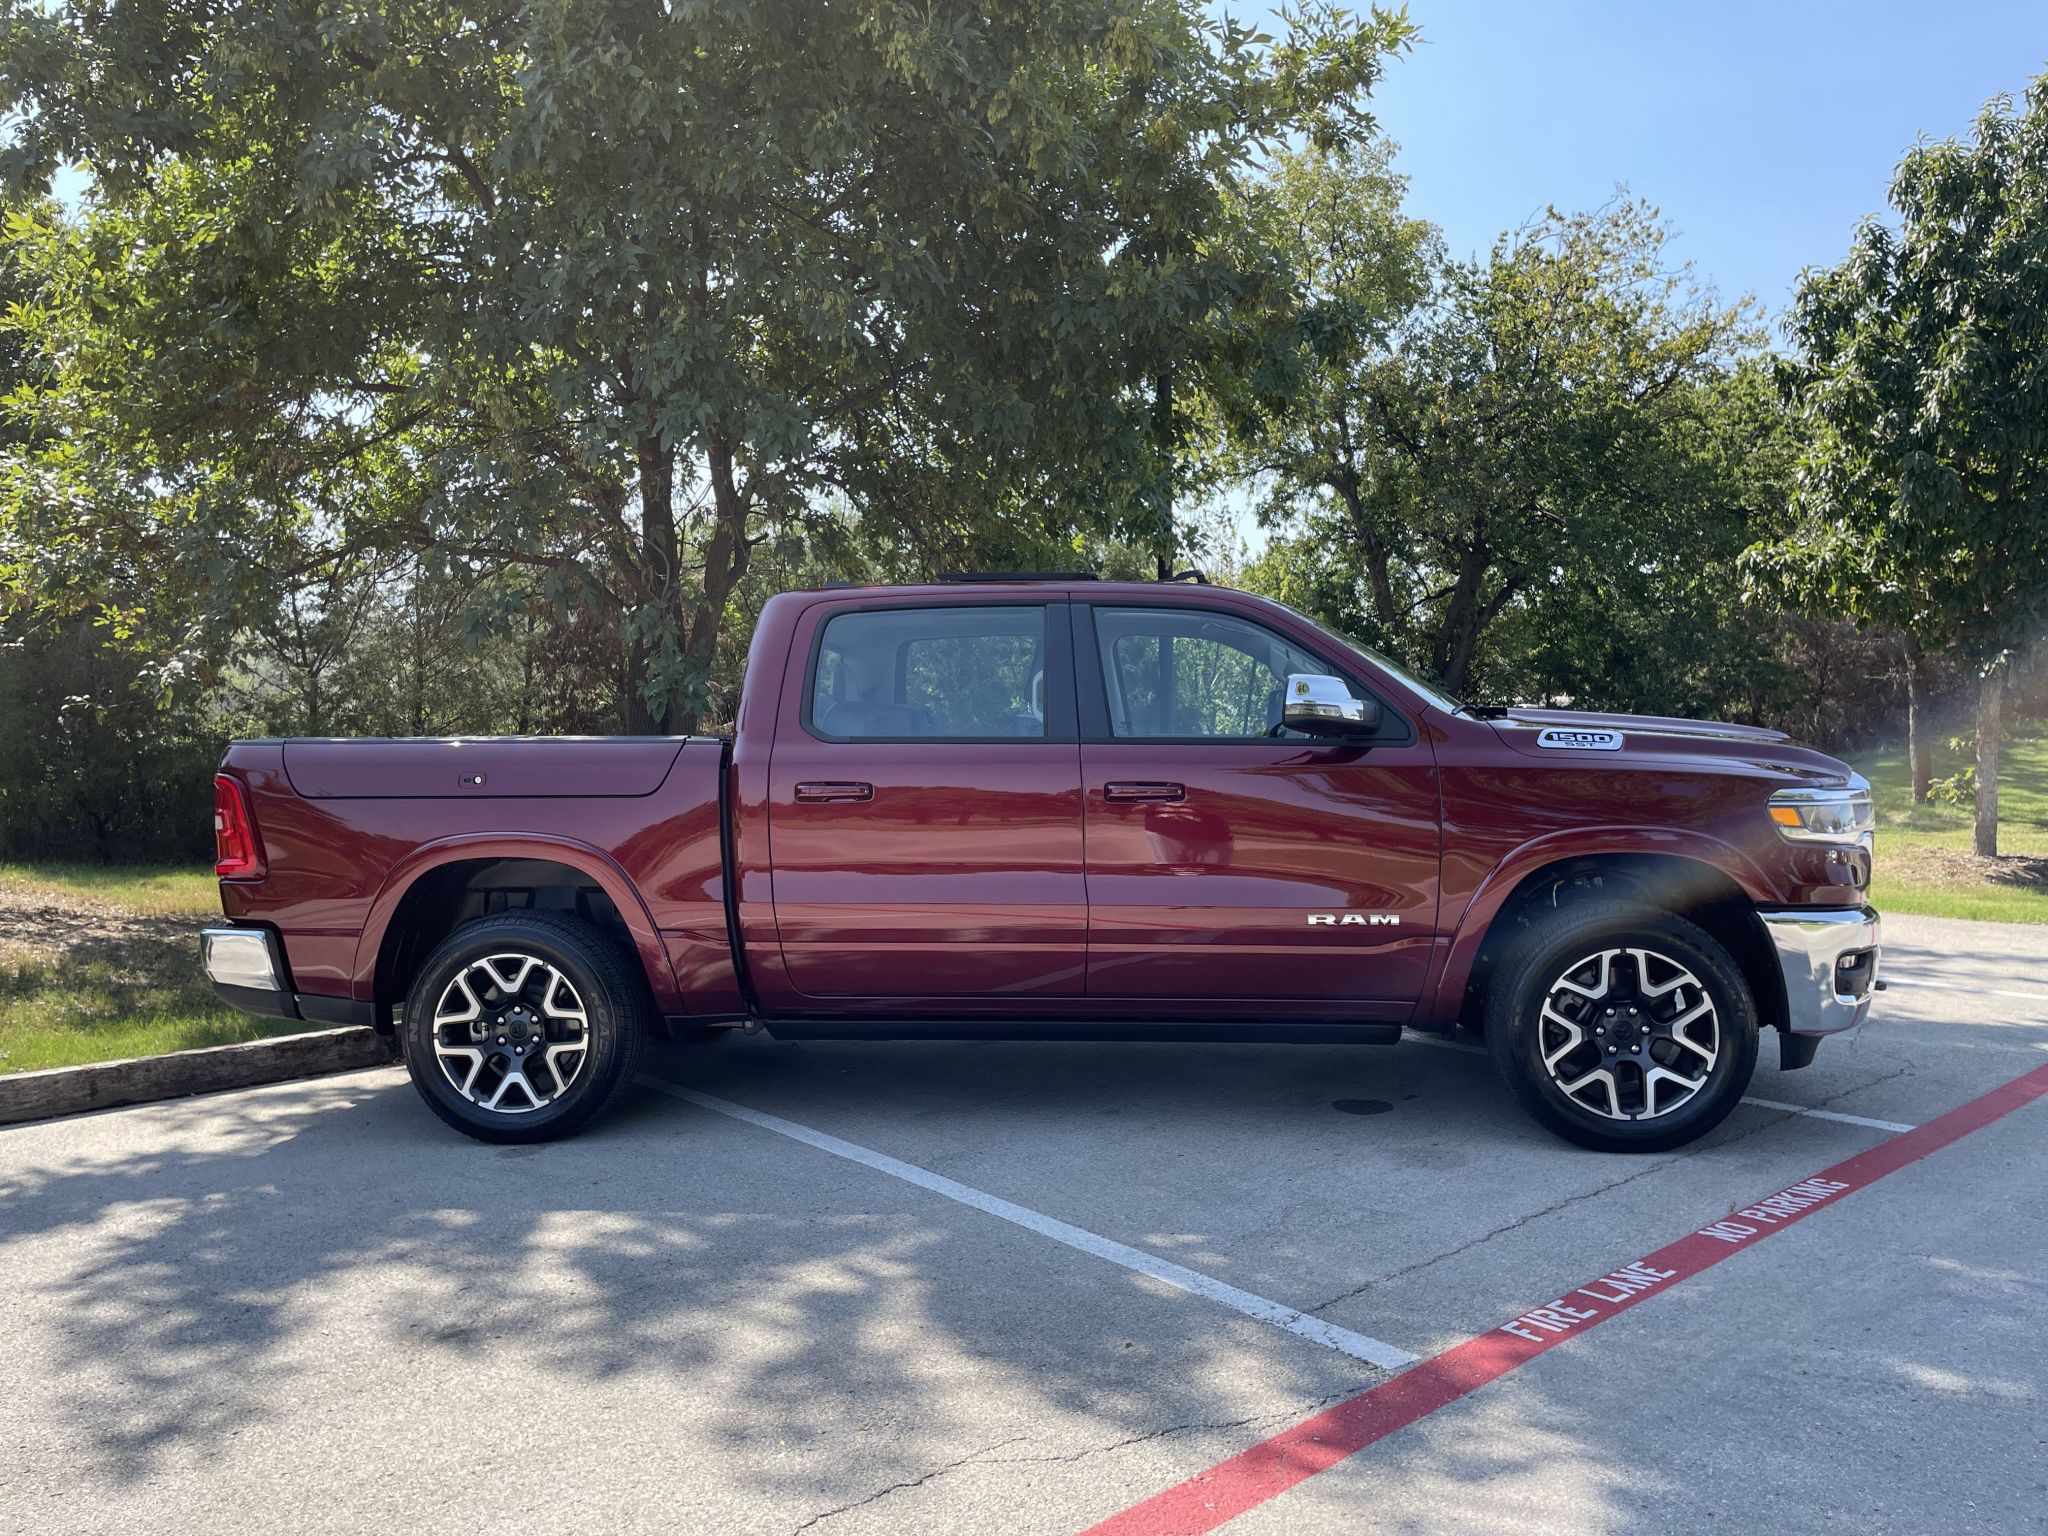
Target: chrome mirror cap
(1323,706)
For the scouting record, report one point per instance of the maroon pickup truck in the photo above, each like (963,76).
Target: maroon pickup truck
(1053,808)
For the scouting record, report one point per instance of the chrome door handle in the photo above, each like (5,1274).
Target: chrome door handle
(815,793)
(1147,792)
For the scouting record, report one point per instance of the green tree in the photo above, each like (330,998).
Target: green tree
(109,741)
(614,290)
(1922,397)
(1553,434)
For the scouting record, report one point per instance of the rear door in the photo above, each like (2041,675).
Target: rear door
(925,803)
(1228,859)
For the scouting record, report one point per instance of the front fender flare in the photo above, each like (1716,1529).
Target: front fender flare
(1461,954)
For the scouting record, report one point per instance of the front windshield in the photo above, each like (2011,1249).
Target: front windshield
(1422,686)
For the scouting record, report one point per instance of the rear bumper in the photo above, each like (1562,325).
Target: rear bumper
(247,969)
(1829,958)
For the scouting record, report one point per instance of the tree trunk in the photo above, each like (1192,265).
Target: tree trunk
(1378,558)
(1166,440)
(645,715)
(1458,633)
(726,554)
(420,660)
(1990,696)
(526,711)
(1919,745)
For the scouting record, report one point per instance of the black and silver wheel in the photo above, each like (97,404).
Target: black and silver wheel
(1621,1028)
(524,1026)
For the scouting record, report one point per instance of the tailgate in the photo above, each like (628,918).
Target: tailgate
(483,767)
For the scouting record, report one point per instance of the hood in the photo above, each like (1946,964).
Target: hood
(1652,725)
(1583,739)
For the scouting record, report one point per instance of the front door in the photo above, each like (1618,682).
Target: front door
(925,804)
(1227,858)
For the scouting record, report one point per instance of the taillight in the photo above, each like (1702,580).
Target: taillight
(237,852)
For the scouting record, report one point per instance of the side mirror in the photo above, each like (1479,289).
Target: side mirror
(1323,706)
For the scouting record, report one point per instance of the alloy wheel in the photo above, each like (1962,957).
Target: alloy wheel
(510,1033)
(1628,1034)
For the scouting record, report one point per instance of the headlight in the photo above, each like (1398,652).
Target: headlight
(1843,816)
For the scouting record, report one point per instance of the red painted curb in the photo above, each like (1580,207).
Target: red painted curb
(1251,1478)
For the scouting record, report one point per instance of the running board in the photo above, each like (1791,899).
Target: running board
(1281,1033)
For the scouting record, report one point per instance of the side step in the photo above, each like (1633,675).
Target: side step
(1277,1033)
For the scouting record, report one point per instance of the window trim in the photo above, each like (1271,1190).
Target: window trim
(1060,723)
(1395,728)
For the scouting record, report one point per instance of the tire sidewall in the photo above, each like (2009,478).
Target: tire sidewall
(1517,1041)
(572,949)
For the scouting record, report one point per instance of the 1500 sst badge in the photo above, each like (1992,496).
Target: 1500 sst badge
(1580,741)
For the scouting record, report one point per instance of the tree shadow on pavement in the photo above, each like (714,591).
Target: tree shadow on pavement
(192,1281)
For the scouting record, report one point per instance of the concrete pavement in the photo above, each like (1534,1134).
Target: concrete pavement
(312,1306)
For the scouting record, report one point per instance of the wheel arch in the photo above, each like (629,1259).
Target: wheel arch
(1691,883)
(443,884)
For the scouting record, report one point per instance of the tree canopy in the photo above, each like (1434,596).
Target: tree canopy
(610,289)
(1921,397)
(1558,431)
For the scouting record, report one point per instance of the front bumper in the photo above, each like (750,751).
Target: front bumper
(246,967)
(1829,957)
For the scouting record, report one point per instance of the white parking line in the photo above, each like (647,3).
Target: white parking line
(1357,1345)
(1894,1126)
(1423,1037)
(1894,979)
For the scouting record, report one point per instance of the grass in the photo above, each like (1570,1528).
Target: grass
(144,890)
(1925,863)
(99,963)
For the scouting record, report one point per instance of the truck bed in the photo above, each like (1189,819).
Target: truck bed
(627,826)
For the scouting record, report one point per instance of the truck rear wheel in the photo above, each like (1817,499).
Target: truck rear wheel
(525,1026)
(1622,1028)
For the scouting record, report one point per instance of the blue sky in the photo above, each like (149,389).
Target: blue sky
(1763,131)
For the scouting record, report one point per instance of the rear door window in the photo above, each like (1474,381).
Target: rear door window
(970,673)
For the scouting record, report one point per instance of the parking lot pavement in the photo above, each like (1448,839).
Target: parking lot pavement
(312,1305)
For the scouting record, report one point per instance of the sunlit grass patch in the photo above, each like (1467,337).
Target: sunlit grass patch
(144,890)
(101,963)
(1925,860)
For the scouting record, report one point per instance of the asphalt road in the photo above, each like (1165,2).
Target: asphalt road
(313,1307)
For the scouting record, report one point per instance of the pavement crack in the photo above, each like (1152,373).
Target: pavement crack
(1843,1093)
(986,1455)
(1487,1237)
(912,1482)
(1286,1415)
(1590,1194)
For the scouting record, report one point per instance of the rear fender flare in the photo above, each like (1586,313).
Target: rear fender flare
(602,869)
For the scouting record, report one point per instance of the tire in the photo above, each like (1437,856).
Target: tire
(491,1032)
(1566,1019)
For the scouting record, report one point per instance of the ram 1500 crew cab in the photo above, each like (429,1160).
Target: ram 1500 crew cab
(1063,809)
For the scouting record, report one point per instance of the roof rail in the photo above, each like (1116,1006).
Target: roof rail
(968,576)
(1190,574)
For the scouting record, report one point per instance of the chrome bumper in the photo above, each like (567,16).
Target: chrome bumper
(247,970)
(1829,957)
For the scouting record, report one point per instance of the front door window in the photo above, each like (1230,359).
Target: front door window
(1181,675)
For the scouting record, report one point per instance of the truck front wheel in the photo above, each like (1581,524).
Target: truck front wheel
(1622,1028)
(524,1026)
